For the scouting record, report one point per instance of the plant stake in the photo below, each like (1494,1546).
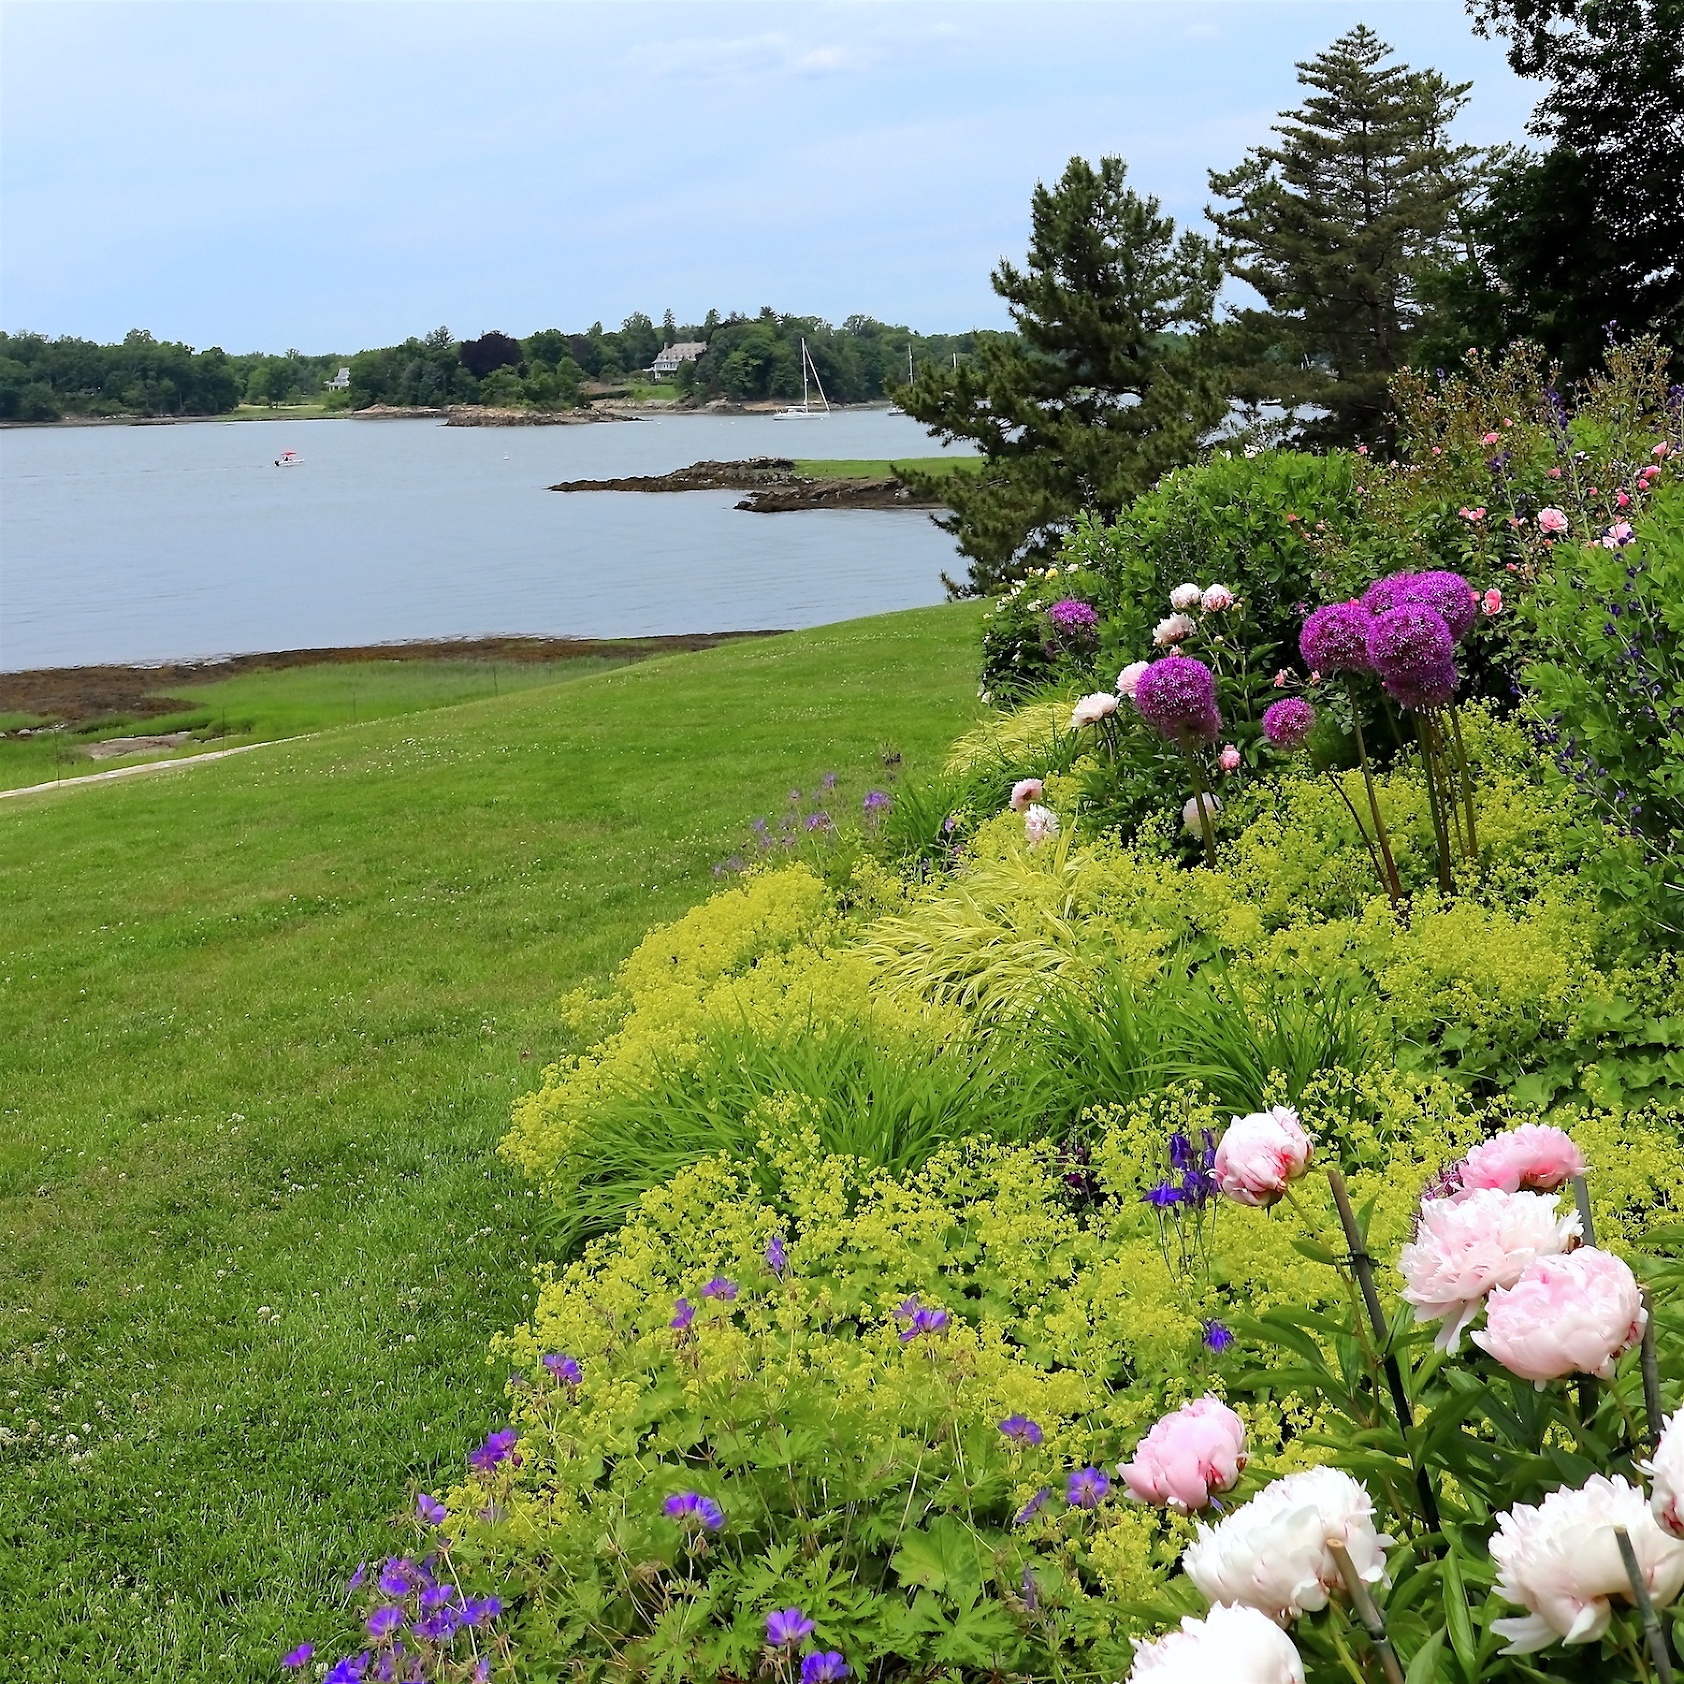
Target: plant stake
(1645,1608)
(1368,1612)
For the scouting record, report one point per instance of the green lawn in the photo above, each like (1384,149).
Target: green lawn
(861,468)
(275,702)
(260,1024)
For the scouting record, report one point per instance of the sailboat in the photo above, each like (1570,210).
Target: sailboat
(804,409)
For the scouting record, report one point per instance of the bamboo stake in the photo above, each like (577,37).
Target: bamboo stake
(1367,1611)
(1645,1608)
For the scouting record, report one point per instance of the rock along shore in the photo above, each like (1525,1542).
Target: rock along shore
(772,484)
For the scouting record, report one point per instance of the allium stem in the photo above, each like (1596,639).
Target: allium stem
(1362,1266)
(1356,819)
(1394,884)
(1367,1611)
(1206,829)
(1435,803)
(1464,770)
(1645,1607)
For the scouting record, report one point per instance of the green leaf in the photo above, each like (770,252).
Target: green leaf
(1423,1668)
(1458,1621)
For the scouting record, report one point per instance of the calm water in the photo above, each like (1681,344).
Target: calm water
(151,543)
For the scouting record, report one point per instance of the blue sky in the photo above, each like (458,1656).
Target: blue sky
(330,176)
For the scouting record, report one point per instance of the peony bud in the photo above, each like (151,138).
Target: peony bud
(1190,813)
(1232,1643)
(1188,1457)
(1172,630)
(1216,598)
(1025,792)
(1129,677)
(1229,759)
(1260,1156)
(1184,597)
(1573,1314)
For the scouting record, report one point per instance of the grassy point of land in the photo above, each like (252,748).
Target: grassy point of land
(261,1028)
(862,468)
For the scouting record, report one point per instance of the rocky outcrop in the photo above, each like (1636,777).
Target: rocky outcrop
(772,484)
(699,476)
(836,494)
(484,415)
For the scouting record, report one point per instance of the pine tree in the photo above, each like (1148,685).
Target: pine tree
(1107,382)
(1333,227)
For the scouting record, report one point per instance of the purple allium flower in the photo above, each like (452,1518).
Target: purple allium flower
(693,1508)
(1335,638)
(1391,591)
(1451,595)
(683,1313)
(720,1287)
(1164,1196)
(482,1610)
(1176,696)
(1410,642)
(777,1258)
(1021,1429)
(384,1621)
(1288,722)
(1431,688)
(396,1576)
(499,1447)
(298,1657)
(430,1511)
(1072,616)
(1217,1338)
(924,1321)
(564,1369)
(823,1667)
(876,800)
(787,1626)
(1086,1487)
(1033,1507)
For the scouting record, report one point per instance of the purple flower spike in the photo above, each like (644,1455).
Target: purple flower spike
(1086,1488)
(564,1369)
(1288,722)
(777,1258)
(298,1657)
(683,1313)
(429,1511)
(787,1627)
(1176,696)
(823,1667)
(1335,639)
(1217,1338)
(1033,1507)
(499,1447)
(1021,1430)
(720,1287)
(384,1621)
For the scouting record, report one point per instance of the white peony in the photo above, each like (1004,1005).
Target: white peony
(1560,1561)
(1236,1645)
(1666,1502)
(1039,823)
(1091,709)
(1172,630)
(1184,597)
(1216,599)
(1464,1247)
(1190,813)
(1129,677)
(1271,1553)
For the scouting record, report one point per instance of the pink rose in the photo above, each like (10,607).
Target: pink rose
(1231,1642)
(1554,473)
(1362,450)
(1471,514)
(1552,521)
(1463,1247)
(1283,678)
(1666,1473)
(1534,1155)
(1260,1156)
(1621,501)
(1649,474)
(1661,450)
(1188,1456)
(1229,759)
(1025,792)
(1575,1314)
(1490,438)
(1492,603)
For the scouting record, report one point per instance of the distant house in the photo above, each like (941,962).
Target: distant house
(341,382)
(669,359)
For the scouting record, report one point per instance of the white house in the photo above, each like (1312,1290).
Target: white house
(341,382)
(669,359)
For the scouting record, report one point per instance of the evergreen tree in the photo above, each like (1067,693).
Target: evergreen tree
(1106,384)
(1334,225)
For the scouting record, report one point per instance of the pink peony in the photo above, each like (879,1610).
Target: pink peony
(1573,1314)
(1666,1474)
(1039,824)
(1492,603)
(1260,1156)
(1560,1561)
(1534,1155)
(1271,1553)
(1025,792)
(1129,677)
(1236,1644)
(1188,1457)
(1216,598)
(1229,759)
(1465,1246)
(1190,813)
(1172,630)
(1091,709)
(1184,597)
(1552,521)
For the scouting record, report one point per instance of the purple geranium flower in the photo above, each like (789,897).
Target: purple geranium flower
(823,1667)
(348,1671)
(1021,1429)
(482,1610)
(876,800)
(1176,697)
(1086,1487)
(1217,1338)
(1033,1507)
(787,1626)
(499,1447)
(683,1313)
(924,1321)
(1288,722)
(429,1510)
(720,1287)
(298,1657)
(564,1369)
(438,1626)
(777,1258)
(396,1576)
(695,1509)
(1335,638)
(384,1621)
(355,1582)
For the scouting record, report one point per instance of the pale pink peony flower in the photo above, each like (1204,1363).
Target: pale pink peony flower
(1552,521)
(1216,598)
(1666,1474)
(1025,792)
(1091,709)
(1190,813)
(1662,450)
(1465,1246)
(1261,1155)
(1572,1314)
(1188,1457)
(1184,597)
(1229,759)
(1233,1643)
(1535,1155)
(1492,603)
(1039,824)
(1271,1553)
(1129,677)
(1560,1561)
(1172,630)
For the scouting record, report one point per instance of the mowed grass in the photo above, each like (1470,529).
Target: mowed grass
(261,1022)
(867,468)
(262,705)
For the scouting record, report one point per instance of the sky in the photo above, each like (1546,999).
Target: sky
(329,176)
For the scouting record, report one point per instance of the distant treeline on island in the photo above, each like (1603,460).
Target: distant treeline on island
(744,358)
